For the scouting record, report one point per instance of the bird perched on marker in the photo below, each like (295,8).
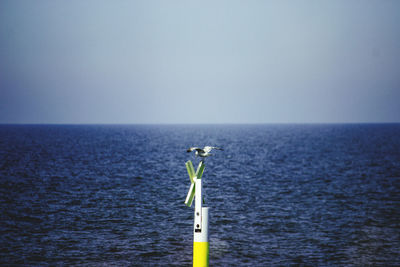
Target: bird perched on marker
(203,152)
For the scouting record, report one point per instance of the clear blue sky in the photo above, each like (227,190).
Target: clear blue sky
(199,61)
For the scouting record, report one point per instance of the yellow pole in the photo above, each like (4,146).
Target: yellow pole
(201,245)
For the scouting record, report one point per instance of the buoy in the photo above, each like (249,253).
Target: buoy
(201,245)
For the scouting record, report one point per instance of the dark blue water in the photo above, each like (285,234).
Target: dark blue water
(311,195)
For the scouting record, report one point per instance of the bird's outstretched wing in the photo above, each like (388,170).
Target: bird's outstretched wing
(209,148)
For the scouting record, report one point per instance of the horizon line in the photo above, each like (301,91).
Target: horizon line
(201,123)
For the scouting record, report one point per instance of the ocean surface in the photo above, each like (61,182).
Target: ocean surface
(279,195)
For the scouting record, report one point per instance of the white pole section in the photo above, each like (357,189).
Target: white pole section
(198,205)
(203,235)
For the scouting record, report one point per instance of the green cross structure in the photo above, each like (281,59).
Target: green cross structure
(193,177)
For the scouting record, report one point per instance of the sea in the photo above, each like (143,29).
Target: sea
(278,194)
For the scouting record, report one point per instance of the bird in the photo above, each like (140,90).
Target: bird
(203,152)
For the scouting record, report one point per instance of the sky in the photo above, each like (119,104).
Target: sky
(199,61)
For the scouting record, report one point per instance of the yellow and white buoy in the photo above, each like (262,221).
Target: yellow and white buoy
(200,230)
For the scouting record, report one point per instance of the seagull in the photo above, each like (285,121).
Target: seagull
(203,152)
